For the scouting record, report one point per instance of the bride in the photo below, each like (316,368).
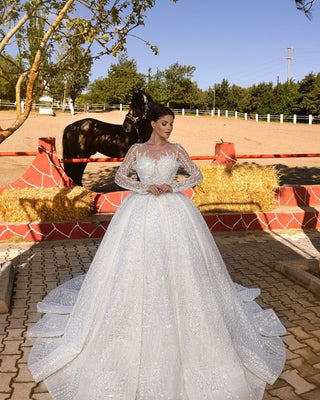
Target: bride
(157,316)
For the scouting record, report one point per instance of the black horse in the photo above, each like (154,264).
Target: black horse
(85,137)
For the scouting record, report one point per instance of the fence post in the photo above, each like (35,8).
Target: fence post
(120,107)
(310,119)
(226,113)
(294,118)
(182,112)
(268,117)
(236,114)
(281,118)
(71,108)
(197,112)
(218,113)
(212,113)
(104,106)
(257,117)
(245,116)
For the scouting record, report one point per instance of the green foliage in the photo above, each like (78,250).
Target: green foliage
(308,99)
(8,77)
(34,28)
(174,86)
(121,81)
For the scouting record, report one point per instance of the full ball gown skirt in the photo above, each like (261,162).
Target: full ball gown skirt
(157,316)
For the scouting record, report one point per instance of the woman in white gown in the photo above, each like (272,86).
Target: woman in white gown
(157,316)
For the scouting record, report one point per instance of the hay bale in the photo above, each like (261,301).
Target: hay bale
(241,188)
(48,204)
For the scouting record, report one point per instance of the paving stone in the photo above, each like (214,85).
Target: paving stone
(299,333)
(308,355)
(21,391)
(20,293)
(315,379)
(305,324)
(15,334)
(4,396)
(8,363)
(32,317)
(25,354)
(314,344)
(292,342)
(17,313)
(313,395)
(316,333)
(19,303)
(40,388)
(24,374)
(312,317)
(17,323)
(41,396)
(285,393)
(5,381)
(4,318)
(305,369)
(12,347)
(294,379)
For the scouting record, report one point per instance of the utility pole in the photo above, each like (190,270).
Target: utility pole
(288,58)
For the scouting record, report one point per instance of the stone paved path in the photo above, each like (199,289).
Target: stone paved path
(249,258)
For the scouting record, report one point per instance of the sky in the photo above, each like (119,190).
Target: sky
(243,41)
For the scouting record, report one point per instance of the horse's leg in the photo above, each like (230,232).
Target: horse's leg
(75,171)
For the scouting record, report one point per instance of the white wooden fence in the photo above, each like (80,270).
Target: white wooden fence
(86,107)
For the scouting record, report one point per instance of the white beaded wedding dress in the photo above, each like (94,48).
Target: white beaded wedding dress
(157,316)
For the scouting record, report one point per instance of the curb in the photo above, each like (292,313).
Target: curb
(7,272)
(300,271)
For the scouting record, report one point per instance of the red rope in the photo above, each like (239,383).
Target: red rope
(109,159)
(17,153)
(79,160)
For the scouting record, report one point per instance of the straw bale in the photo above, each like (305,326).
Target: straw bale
(48,204)
(237,188)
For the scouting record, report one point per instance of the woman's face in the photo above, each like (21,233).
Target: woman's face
(163,126)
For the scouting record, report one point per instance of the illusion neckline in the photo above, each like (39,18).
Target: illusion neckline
(172,156)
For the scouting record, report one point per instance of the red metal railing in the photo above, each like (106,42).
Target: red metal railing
(119,159)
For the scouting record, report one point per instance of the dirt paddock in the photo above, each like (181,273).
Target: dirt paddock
(197,134)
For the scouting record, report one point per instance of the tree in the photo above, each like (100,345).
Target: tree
(305,6)
(8,77)
(72,74)
(259,98)
(106,23)
(286,96)
(308,101)
(176,81)
(222,94)
(122,80)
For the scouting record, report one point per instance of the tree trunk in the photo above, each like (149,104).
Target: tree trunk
(5,133)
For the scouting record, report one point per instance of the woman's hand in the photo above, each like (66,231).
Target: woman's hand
(157,190)
(166,188)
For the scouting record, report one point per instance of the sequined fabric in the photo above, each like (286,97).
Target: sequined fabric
(157,316)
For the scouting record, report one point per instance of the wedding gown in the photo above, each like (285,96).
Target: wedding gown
(157,316)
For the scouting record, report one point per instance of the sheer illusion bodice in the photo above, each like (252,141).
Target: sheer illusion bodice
(157,167)
(157,316)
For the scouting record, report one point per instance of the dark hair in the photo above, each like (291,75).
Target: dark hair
(159,111)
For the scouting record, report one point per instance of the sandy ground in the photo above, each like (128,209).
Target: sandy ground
(197,134)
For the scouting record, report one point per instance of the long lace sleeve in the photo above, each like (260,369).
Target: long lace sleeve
(191,168)
(122,179)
